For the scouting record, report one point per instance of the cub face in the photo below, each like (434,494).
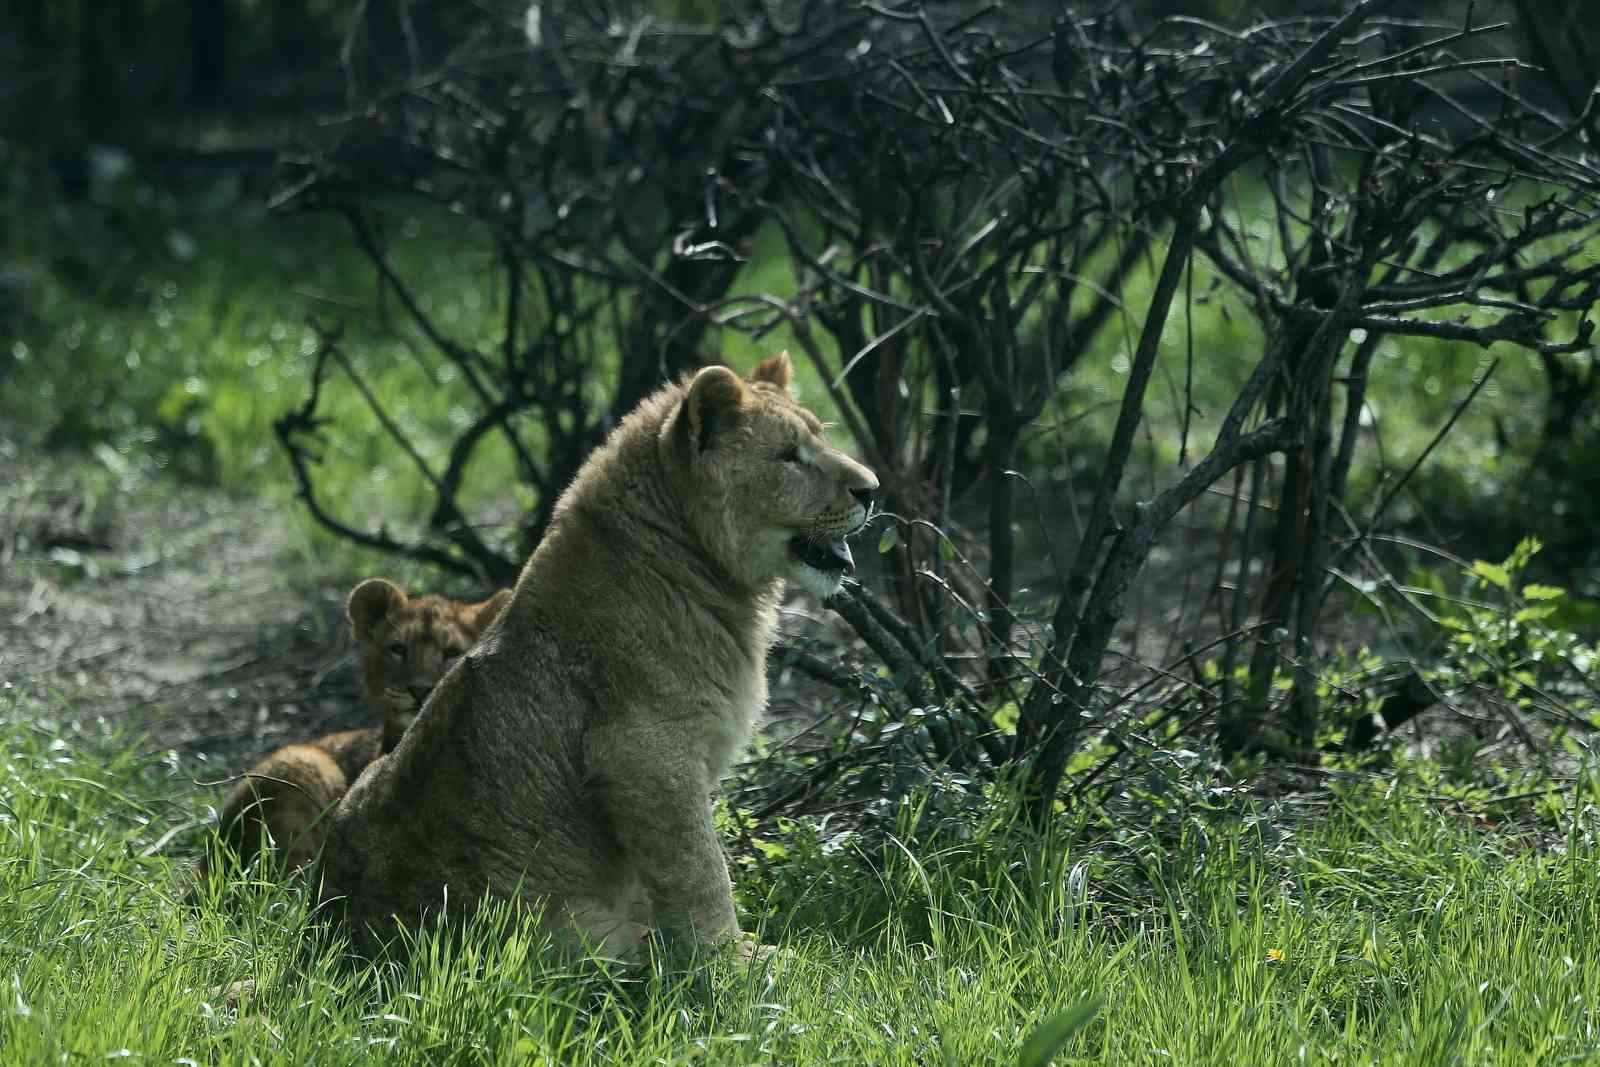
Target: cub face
(407,643)
(765,492)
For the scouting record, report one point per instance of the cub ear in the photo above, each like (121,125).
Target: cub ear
(484,613)
(370,603)
(711,406)
(774,369)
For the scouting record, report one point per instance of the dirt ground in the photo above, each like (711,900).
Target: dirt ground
(170,615)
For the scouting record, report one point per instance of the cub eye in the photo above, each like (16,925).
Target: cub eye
(397,649)
(790,455)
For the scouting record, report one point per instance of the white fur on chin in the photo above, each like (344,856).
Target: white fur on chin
(819,584)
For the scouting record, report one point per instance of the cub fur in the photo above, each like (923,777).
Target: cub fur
(571,756)
(405,645)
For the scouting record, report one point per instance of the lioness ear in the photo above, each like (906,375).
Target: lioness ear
(775,369)
(485,613)
(369,603)
(712,405)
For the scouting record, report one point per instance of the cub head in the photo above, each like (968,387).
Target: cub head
(766,494)
(407,643)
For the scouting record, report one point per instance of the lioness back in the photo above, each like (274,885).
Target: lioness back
(571,757)
(405,645)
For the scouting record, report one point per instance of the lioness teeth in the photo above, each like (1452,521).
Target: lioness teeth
(831,555)
(842,551)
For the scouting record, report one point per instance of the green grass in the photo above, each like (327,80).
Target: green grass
(1381,929)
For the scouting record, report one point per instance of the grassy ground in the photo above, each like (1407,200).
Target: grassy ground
(1377,928)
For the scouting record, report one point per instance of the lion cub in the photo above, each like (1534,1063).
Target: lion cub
(405,644)
(571,756)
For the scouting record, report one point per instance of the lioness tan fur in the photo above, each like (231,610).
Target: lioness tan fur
(570,756)
(405,645)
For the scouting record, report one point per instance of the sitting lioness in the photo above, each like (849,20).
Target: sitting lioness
(570,756)
(405,645)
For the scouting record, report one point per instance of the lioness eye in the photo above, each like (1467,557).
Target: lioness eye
(397,649)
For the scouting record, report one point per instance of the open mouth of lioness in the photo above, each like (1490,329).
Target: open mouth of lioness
(829,555)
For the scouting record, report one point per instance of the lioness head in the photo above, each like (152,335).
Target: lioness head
(764,491)
(407,643)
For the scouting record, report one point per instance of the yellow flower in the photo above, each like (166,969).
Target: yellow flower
(1274,955)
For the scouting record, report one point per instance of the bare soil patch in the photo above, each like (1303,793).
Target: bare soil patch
(169,613)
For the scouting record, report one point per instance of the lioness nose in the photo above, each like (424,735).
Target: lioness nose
(866,496)
(419,693)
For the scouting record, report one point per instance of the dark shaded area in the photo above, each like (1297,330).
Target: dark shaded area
(195,76)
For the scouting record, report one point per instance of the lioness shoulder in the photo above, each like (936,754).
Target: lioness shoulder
(571,758)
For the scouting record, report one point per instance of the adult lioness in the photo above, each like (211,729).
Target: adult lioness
(570,756)
(405,644)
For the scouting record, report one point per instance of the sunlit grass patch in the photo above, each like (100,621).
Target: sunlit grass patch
(1384,930)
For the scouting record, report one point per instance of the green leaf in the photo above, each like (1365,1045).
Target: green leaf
(890,538)
(773,850)
(1535,611)
(1492,573)
(1049,1036)
(1543,592)
(1006,717)
(947,549)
